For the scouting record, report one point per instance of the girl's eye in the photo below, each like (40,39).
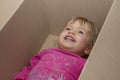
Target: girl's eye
(81,32)
(67,28)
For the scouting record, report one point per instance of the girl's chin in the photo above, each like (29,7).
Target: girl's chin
(66,47)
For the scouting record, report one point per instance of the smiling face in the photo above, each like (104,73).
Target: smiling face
(74,38)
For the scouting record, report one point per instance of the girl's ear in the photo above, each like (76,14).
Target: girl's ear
(87,51)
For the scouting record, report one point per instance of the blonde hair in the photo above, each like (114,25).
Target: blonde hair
(93,31)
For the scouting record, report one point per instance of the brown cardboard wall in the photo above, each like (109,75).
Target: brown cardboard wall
(22,37)
(104,61)
(7,9)
(60,11)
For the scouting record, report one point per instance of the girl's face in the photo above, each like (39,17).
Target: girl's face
(74,38)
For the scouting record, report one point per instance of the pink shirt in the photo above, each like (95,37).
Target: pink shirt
(53,64)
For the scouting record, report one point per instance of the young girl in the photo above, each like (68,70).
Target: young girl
(66,62)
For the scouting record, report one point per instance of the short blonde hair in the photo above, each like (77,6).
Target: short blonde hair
(93,31)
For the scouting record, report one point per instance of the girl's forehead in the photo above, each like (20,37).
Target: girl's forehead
(79,25)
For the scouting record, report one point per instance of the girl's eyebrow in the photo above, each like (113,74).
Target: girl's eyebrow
(70,25)
(81,28)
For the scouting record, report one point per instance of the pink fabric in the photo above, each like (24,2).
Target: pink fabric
(53,64)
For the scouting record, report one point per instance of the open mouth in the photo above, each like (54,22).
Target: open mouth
(70,38)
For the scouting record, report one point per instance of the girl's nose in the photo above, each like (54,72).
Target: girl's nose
(72,32)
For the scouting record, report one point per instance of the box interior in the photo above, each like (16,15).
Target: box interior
(27,26)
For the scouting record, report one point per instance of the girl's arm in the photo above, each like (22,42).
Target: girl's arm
(22,75)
